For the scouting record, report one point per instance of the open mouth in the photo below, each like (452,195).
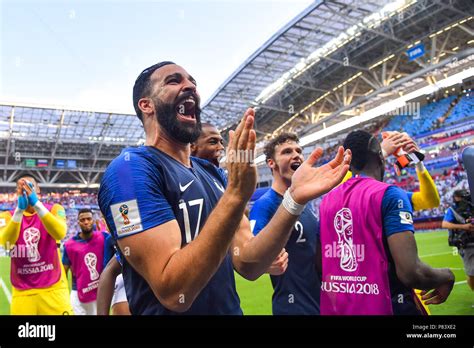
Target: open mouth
(295,165)
(186,110)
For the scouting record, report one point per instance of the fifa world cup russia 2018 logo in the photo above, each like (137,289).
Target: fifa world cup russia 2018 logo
(90,259)
(124,211)
(344,229)
(32,237)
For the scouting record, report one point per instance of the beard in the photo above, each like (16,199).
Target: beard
(87,231)
(166,115)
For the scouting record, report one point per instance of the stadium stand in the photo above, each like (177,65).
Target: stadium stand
(463,109)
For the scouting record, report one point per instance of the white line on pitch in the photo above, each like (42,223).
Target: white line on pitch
(445,253)
(5,290)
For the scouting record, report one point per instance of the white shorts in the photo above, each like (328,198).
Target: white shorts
(80,308)
(119,291)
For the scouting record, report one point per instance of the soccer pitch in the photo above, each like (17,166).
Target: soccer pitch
(256,296)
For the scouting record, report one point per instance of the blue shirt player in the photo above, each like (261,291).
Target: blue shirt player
(180,229)
(296,291)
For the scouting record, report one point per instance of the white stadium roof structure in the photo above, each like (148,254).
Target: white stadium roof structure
(61,147)
(339,59)
(335,63)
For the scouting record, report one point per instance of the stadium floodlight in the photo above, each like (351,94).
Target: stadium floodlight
(329,47)
(380,110)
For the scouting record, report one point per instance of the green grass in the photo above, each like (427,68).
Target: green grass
(5,275)
(256,297)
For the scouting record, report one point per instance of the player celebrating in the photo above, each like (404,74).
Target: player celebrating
(296,291)
(369,257)
(181,229)
(31,234)
(86,254)
(111,292)
(209,145)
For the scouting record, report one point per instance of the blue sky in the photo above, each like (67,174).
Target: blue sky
(88,53)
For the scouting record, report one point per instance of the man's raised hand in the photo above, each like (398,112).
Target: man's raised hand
(240,156)
(310,182)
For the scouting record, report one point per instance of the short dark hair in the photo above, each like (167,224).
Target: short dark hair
(142,86)
(461,193)
(22,176)
(84,210)
(207,124)
(358,142)
(269,149)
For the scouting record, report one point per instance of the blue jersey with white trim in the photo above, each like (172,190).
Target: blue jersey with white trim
(296,292)
(144,188)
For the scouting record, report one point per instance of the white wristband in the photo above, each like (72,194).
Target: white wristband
(290,205)
(40,209)
(420,166)
(17,215)
(384,153)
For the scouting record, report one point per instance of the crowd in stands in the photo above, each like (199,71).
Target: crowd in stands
(445,145)
(435,115)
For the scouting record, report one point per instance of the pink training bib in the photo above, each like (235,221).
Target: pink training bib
(35,262)
(86,264)
(355,267)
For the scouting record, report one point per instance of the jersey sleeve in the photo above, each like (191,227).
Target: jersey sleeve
(449,216)
(58,211)
(109,249)
(131,196)
(397,212)
(5,217)
(428,196)
(260,215)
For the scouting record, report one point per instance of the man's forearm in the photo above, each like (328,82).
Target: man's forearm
(259,252)
(451,226)
(105,290)
(427,278)
(190,268)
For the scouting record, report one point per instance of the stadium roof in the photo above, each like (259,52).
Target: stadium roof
(51,123)
(336,55)
(61,146)
(317,25)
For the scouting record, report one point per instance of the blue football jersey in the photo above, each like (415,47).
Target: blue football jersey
(397,217)
(143,188)
(296,291)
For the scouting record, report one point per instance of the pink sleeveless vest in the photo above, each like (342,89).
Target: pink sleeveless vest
(355,267)
(86,264)
(35,262)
